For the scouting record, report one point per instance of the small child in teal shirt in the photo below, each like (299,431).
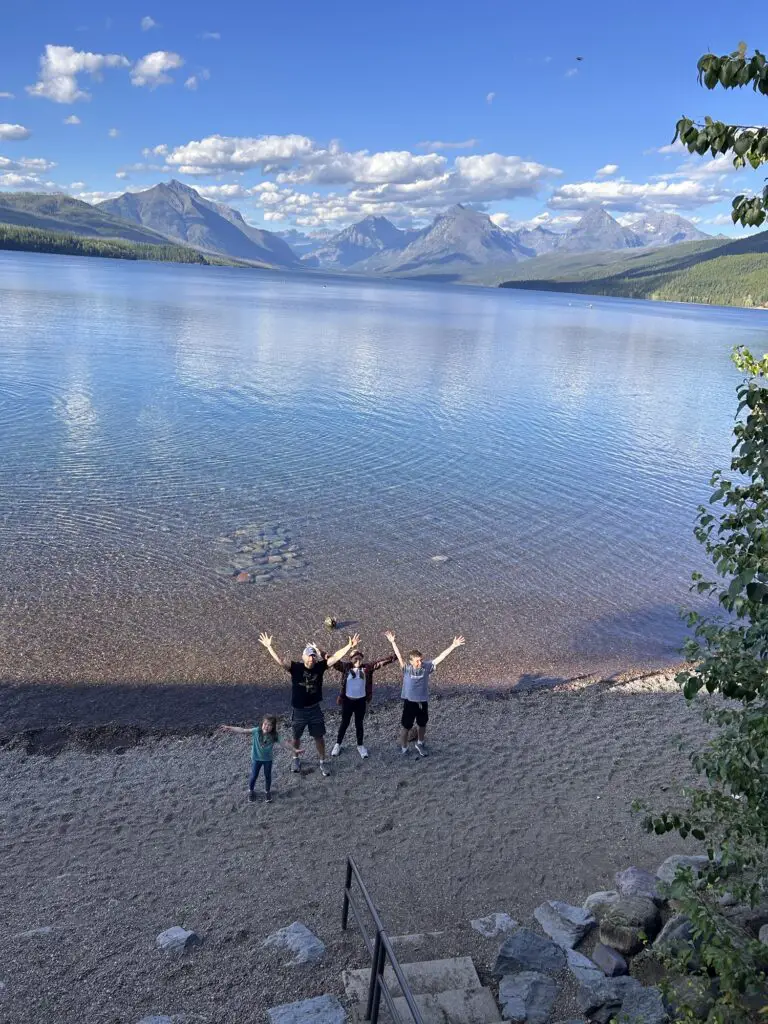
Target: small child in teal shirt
(264,740)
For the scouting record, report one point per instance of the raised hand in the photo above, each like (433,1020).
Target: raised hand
(265,640)
(390,636)
(354,640)
(458,641)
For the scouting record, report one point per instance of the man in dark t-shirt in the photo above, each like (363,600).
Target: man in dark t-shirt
(307,693)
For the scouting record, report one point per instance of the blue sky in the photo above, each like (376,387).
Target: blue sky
(315,114)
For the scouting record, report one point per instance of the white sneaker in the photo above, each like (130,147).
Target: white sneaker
(336,750)
(404,751)
(362,751)
(421,750)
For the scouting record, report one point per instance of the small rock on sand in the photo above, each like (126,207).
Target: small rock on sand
(493,925)
(176,939)
(298,939)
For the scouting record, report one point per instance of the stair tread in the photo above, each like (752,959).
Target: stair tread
(454,1006)
(425,978)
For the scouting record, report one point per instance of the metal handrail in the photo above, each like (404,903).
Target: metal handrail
(380,948)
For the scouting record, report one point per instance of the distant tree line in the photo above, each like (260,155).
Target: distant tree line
(66,244)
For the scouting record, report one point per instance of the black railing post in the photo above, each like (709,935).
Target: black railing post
(374,972)
(379,959)
(347,887)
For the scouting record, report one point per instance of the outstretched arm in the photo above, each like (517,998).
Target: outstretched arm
(266,641)
(234,728)
(458,641)
(353,642)
(391,637)
(376,665)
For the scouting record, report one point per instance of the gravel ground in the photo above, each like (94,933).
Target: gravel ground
(524,798)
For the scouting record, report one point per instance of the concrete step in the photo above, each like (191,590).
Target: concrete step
(427,978)
(454,1006)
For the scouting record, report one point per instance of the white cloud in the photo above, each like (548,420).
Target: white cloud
(607,170)
(152,69)
(96,197)
(628,196)
(490,97)
(147,23)
(14,133)
(72,119)
(77,185)
(571,72)
(26,173)
(467,144)
(122,175)
(194,80)
(210,35)
(398,184)
(218,153)
(6,96)
(113,133)
(60,66)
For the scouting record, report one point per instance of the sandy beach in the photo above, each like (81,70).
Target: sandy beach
(526,796)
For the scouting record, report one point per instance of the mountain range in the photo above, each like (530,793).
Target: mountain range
(180,213)
(461,243)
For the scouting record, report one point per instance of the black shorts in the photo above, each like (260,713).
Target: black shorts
(308,718)
(415,711)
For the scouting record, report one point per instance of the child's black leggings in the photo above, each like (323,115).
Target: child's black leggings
(348,709)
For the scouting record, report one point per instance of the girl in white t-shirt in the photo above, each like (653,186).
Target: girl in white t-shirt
(356,694)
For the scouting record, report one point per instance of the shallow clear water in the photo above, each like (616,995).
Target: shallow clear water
(553,447)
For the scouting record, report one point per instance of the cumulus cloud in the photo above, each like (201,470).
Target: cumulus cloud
(72,119)
(218,153)
(25,173)
(194,80)
(490,97)
(628,196)
(60,66)
(467,144)
(147,23)
(607,170)
(13,133)
(152,70)
(396,183)
(121,175)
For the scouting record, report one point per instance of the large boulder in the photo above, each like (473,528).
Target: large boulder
(751,919)
(636,882)
(630,923)
(668,869)
(686,990)
(648,967)
(598,902)
(524,950)
(642,1006)
(676,939)
(609,960)
(528,996)
(602,1001)
(565,924)
(320,1010)
(300,941)
(583,969)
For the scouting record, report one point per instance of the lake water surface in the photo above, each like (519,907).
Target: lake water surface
(554,448)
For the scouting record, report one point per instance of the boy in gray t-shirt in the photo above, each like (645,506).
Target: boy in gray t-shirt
(415,692)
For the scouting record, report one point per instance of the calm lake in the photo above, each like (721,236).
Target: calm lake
(552,448)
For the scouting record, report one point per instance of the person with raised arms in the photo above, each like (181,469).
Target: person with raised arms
(415,692)
(307,694)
